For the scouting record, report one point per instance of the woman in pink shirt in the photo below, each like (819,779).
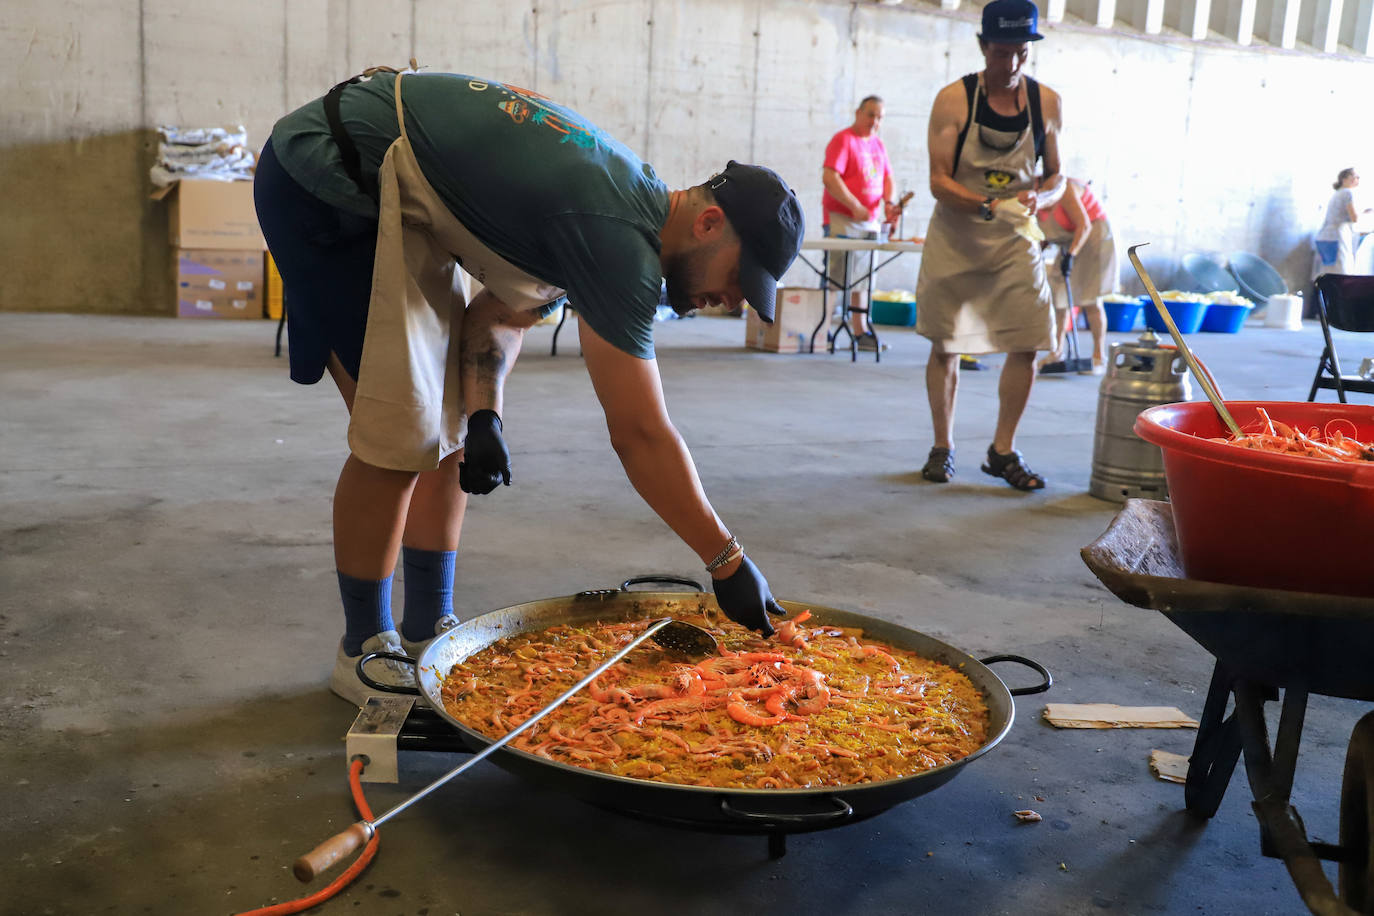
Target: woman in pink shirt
(858,179)
(857,175)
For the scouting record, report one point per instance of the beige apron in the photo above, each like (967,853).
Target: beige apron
(982,288)
(1095,271)
(408,410)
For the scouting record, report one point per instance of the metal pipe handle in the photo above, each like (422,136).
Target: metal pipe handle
(329,852)
(1204,379)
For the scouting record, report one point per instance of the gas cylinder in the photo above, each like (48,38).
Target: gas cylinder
(1140,374)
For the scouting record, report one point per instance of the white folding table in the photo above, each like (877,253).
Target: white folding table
(844,246)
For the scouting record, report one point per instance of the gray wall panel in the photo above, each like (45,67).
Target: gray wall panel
(1192,145)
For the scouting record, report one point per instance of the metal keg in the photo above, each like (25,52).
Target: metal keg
(1140,374)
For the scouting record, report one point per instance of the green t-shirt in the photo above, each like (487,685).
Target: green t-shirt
(536,182)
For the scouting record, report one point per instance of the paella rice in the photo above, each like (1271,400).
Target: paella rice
(820,706)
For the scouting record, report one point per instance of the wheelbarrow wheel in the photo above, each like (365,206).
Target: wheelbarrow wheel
(1215,750)
(1357,813)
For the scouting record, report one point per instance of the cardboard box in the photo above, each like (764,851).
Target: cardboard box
(796,314)
(274,294)
(212,214)
(219,283)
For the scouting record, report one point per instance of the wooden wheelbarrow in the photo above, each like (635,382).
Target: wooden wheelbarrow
(1265,641)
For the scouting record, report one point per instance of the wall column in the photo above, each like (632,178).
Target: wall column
(1192,18)
(1236,20)
(1276,21)
(1147,15)
(1326,25)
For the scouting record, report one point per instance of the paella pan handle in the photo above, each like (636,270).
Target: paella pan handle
(843,810)
(385,688)
(672,580)
(1040,669)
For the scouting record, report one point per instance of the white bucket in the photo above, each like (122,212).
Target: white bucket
(1284,311)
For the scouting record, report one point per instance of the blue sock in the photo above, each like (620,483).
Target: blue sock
(367,610)
(429,590)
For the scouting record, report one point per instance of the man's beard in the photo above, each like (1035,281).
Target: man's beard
(685,276)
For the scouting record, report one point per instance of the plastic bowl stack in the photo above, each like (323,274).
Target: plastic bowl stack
(894,307)
(1226,312)
(1187,310)
(1122,312)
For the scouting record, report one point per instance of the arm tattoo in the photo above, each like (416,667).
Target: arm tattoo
(491,363)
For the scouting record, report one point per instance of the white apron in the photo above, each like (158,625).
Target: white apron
(1095,272)
(982,288)
(408,409)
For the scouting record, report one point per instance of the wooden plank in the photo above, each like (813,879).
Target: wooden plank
(1110,715)
(1169,766)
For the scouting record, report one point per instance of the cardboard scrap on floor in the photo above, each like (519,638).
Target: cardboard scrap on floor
(1109,715)
(1168,766)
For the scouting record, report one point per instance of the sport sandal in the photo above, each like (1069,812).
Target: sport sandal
(939,466)
(1012,468)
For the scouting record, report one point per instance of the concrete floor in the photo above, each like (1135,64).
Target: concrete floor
(168,619)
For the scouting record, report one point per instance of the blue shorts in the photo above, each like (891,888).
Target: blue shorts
(325,258)
(1328,252)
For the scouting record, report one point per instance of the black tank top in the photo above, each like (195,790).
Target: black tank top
(983,114)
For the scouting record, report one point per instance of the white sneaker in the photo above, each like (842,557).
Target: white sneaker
(413,649)
(346,683)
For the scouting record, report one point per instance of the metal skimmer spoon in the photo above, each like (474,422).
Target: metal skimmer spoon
(1202,377)
(675,635)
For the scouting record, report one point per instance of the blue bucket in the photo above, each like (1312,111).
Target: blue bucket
(901,314)
(1187,315)
(1121,316)
(1225,319)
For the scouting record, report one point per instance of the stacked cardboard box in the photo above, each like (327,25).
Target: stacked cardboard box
(218,249)
(219,283)
(795,316)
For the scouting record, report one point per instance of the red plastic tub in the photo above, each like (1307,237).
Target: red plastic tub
(1247,517)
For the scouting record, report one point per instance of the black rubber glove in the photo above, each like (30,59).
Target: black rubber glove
(744,596)
(486,460)
(1066,264)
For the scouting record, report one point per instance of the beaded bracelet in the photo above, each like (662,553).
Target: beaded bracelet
(729,552)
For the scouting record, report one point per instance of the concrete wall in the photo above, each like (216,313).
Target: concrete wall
(1193,145)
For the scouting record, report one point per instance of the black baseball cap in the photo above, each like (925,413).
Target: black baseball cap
(1010,21)
(768,220)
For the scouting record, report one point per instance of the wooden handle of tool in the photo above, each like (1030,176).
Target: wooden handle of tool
(324,856)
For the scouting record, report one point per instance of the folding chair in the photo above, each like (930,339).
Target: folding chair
(1344,302)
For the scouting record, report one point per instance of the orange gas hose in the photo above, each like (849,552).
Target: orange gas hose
(355,784)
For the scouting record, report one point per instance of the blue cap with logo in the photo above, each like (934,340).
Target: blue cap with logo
(1010,21)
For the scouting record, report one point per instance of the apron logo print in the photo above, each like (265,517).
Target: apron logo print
(997,179)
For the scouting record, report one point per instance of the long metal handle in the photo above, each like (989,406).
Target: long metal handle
(331,850)
(1199,373)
